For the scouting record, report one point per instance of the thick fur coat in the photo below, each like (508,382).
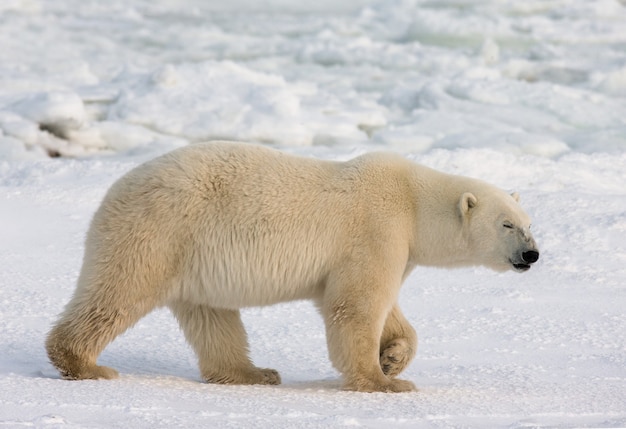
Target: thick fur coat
(211,228)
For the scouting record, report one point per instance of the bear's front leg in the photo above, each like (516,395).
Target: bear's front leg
(354,326)
(398,343)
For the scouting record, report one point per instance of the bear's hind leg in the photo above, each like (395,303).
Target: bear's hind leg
(89,323)
(75,357)
(398,343)
(219,339)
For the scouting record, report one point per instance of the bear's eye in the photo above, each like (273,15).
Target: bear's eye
(508,225)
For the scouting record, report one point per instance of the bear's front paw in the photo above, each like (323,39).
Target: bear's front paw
(395,357)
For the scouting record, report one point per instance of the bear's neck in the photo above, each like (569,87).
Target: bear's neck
(439,239)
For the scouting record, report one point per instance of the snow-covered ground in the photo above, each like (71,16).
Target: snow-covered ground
(529,95)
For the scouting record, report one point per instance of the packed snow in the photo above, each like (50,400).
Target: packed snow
(530,96)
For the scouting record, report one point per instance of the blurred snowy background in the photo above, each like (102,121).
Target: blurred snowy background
(542,77)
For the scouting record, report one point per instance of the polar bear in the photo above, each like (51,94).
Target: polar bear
(214,227)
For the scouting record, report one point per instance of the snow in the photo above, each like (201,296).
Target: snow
(530,96)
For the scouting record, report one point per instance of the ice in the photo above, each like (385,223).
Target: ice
(228,101)
(528,95)
(321,74)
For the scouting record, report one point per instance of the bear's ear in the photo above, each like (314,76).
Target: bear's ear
(515,196)
(468,201)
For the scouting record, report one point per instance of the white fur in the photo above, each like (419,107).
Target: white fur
(211,228)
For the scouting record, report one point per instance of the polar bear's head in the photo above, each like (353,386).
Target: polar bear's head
(498,230)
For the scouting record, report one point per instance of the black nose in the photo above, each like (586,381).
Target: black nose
(530,256)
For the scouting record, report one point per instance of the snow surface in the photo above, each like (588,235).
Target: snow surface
(530,96)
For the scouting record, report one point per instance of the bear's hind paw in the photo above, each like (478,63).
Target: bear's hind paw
(387,386)
(269,376)
(252,375)
(94,372)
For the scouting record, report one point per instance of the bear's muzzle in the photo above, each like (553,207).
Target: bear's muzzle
(526,259)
